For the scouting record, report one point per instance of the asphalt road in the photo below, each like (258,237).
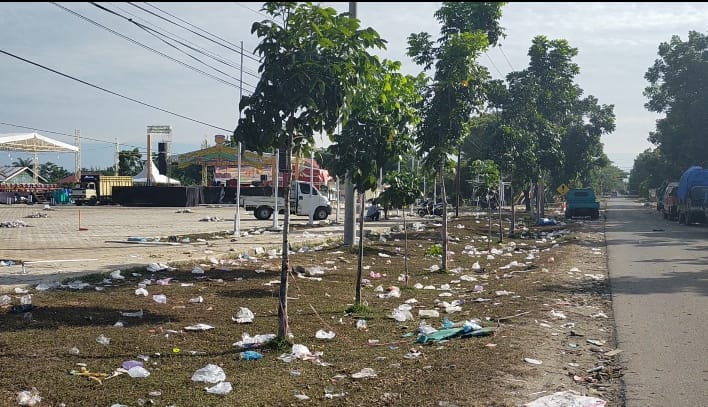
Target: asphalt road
(659,278)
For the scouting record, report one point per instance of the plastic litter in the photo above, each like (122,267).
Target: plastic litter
(533,361)
(247,341)
(361,324)
(251,355)
(428,313)
(322,334)
(364,373)
(566,399)
(221,388)
(137,372)
(29,398)
(160,298)
(198,327)
(244,316)
(401,315)
(115,275)
(141,291)
(136,314)
(103,340)
(5,300)
(210,374)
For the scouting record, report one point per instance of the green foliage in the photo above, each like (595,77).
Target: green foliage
(359,309)
(311,60)
(23,162)
(434,251)
(458,90)
(379,125)
(277,344)
(487,172)
(129,162)
(52,172)
(679,90)
(403,189)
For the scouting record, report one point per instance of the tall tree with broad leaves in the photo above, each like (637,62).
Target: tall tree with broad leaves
(378,127)
(458,87)
(679,89)
(312,60)
(544,104)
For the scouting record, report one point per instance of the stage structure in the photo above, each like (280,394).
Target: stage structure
(34,143)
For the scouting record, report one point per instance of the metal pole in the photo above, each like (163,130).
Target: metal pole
(237,217)
(275,190)
(336,214)
(149,160)
(311,221)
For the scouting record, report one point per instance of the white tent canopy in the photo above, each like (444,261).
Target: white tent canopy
(33,143)
(155,177)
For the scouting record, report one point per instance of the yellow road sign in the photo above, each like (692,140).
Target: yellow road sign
(563,189)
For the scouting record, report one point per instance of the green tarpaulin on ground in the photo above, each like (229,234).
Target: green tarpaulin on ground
(450,333)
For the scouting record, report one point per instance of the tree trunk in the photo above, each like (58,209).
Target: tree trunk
(457,185)
(405,250)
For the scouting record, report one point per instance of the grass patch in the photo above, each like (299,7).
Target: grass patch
(40,348)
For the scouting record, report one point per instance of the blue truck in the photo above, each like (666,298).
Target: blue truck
(692,193)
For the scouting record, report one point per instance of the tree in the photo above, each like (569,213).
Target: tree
(312,61)
(488,174)
(52,172)
(679,89)
(651,170)
(458,87)
(402,190)
(556,132)
(129,162)
(23,162)
(381,118)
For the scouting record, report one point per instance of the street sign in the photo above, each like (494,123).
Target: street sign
(563,189)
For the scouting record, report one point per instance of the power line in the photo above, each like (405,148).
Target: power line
(157,35)
(146,47)
(505,57)
(112,92)
(192,31)
(194,46)
(493,64)
(255,11)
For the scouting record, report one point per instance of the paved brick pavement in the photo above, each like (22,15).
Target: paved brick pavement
(71,240)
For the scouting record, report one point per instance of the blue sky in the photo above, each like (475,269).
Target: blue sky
(617,43)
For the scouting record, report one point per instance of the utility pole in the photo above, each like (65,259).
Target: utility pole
(348,186)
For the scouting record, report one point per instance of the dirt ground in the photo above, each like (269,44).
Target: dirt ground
(542,297)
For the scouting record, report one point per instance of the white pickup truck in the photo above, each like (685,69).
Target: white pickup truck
(304,200)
